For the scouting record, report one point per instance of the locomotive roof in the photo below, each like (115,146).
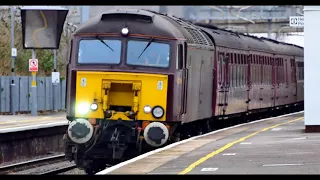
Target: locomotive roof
(138,22)
(157,24)
(223,37)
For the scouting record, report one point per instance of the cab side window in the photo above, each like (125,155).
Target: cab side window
(179,63)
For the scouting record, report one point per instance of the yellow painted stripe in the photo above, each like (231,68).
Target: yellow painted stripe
(33,120)
(203,159)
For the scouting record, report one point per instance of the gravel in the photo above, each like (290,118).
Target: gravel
(75,171)
(46,168)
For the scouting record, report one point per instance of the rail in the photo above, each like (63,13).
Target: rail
(8,169)
(60,170)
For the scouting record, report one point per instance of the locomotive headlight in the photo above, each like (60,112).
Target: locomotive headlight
(83,108)
(94,106)
(147,109)
(124,31)
(158,112)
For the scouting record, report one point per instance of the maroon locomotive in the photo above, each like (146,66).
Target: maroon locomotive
(138,78)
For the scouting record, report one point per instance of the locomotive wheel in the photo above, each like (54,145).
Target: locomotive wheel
(95,167)
(210,125)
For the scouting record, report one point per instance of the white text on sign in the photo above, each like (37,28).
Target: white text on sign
(33,65)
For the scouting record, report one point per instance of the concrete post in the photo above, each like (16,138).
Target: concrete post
(311,66)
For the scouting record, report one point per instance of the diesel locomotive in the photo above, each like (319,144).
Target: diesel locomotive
(138,79)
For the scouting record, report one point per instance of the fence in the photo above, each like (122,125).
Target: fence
(23,91)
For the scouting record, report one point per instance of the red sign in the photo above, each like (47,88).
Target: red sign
(33,65)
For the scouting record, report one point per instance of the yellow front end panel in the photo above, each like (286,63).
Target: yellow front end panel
(151,90)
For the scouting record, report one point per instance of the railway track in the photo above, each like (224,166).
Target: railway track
(8,169)
(60,170)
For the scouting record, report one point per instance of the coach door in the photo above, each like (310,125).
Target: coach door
(223,85)
(182,66)
(293,79)
(249,80)
(274,80)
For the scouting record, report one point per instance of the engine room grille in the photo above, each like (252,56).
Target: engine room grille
(194,35)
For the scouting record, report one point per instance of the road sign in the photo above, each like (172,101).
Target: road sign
(33,65)
(296,21)
(55,77)
(13,52)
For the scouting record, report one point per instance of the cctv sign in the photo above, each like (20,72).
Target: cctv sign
(296,21)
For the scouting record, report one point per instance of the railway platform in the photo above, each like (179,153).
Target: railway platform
(270,146)
(12,123)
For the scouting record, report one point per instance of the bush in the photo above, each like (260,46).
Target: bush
(45,57)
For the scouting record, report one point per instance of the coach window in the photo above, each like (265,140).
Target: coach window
(282,71)
(257,69)
(239,72)
(270,71)
(264,69)
(221,69)
(245,69)
(179,63)
(302,70)
(234,69)
(241,69)
(260,69)
(252,69)
(230,70)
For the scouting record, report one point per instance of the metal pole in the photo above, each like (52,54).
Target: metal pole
(269,28)
(34,109)
(55,85)
(85,13)
(12,86)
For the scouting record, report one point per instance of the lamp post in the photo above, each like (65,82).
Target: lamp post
(41,29)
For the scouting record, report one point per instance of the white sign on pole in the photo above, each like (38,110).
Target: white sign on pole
(13,52)
(33,65)
(55,77)
(296,21)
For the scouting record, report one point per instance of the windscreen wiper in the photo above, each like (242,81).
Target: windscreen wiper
(104,43)
(146,46)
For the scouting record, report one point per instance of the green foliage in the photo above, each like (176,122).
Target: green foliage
(45,57)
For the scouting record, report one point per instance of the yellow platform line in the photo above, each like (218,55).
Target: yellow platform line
(210,155)
(33,120)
